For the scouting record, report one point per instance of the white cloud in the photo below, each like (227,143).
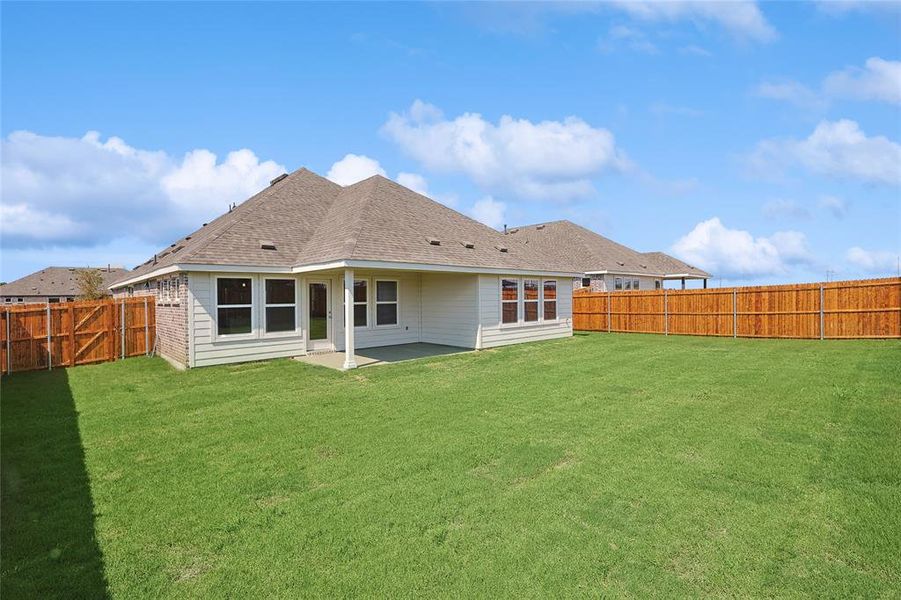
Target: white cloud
(627,37)
(879,80)
(414,181)
(833,204)
(736,253)
(489,211)
(836,148)
(694,50)
(742,18)
(353,168)
(84,191)
(781,207)
(546,160)
(875,261)
(793,92)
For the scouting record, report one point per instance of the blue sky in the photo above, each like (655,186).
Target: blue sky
(760,141)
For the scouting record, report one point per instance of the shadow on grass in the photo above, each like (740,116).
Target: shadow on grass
(47,517)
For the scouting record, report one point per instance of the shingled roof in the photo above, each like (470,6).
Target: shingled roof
(304,219)
(585,251)
(671,265)
(55,281)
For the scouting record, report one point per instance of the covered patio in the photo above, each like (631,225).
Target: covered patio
(382,355)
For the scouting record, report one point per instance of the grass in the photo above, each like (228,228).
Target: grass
(613,465)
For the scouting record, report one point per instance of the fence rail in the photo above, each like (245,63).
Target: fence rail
(45,336)
(835,310)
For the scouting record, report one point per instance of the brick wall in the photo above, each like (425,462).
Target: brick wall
(597,283)
(171,313)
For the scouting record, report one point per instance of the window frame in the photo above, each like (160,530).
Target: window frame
(518,301)
(555,301)
(636,284)
(376,302)
(586,285)
(175,290)
(617,284)
(369,319)
(537,301)
(254,321)
(264,305)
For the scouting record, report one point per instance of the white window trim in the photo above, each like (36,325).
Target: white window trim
(556,302)
(500,294)
(537,301)
(296,332)
(174,290)
(369,316)
(375,310)
(254,321)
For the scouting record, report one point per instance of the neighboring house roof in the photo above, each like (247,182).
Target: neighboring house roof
(673,266)
(585,251)
(55,281)
(310,220)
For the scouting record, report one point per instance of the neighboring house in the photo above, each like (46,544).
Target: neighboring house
(53,284)
(604,265)
(281,274)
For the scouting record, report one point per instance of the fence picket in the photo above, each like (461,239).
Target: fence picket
(834,310)
(75,333)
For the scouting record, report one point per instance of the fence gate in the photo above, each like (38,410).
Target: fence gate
(44,336)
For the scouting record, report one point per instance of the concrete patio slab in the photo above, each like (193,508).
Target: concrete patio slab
(369,357)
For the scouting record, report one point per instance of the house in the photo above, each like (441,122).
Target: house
(282,274)
(53,284)
(603,264)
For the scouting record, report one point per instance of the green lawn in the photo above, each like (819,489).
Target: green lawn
(622,465)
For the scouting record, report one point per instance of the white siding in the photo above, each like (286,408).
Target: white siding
(495,334)
(450,309)
(206,349)
(407,329)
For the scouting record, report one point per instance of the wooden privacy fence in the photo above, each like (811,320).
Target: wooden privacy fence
(835,310)
(44,336)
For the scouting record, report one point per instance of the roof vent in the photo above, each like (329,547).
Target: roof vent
(205,224)
(469,245)
(501,248)
(277,179)
(177,249)
(433,241)
(540,227)
(267,245)
(643,266)
(514,230)
(187,237)
(620,263)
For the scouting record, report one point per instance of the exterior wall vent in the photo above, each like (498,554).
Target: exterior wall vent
(277,179)
(267,245)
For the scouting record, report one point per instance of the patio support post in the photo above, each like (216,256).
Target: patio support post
(349,361)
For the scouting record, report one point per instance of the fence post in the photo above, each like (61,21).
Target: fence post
(665,315)
(9,362)
(49,343)
(122,328)
(71,334)
(608,312)
(734,316)
(822,333)
(146,329)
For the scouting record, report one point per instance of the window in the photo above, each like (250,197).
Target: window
(175,290)
(530,300)
(627,284)
(618,283)
(656,284)
(586,282)
(20,300)
(550,299)
(70,299)
(234,302)
(7,300)
(634,284)
(509,300)
(361,303)
(385,303)
(165,296)
(281,305)
(53,300)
